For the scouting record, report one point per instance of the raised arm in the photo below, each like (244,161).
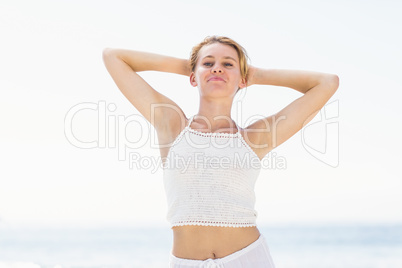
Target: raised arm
(317,88)
(123,66)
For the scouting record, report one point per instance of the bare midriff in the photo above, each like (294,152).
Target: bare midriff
(211,242)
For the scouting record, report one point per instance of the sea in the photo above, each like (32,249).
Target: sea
(351,246)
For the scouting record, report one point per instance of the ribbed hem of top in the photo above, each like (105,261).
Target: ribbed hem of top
(218,224)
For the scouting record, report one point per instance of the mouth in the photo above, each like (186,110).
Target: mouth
(216,78)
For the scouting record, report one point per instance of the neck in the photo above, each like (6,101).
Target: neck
(215,114)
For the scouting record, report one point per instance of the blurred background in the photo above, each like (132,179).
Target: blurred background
(79,166)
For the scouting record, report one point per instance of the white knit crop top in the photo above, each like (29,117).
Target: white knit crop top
(209,179)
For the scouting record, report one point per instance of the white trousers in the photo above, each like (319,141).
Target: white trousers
(255,255)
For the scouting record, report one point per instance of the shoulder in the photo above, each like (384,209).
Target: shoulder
(173,124)
(256,136)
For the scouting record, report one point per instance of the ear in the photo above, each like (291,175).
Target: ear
(192,79)
(243,83)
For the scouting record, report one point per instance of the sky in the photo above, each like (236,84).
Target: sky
(71,143)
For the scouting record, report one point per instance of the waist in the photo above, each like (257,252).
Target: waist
(204,242)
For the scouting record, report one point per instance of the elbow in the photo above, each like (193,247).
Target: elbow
(332,82)
(335,81)
(110,56)
(107,52)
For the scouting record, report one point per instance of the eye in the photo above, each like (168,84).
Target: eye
(228,64)
(208,64)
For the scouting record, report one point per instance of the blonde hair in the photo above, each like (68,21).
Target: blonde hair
(241,52)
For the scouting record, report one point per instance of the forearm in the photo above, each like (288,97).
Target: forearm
(143,61)
(301,81)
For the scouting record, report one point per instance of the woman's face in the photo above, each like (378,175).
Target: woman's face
(217,72)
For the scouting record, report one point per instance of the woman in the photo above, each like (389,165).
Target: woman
(211,164)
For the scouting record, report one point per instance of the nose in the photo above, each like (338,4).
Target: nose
(217,69)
